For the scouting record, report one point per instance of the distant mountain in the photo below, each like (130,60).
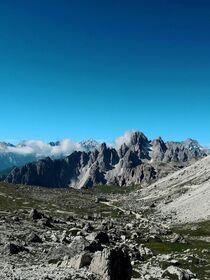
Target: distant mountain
(32,150)
(86,145)
(10,156)
(137,160)
(89,145)
(4,145)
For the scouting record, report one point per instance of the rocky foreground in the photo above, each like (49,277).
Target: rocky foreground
(43,235)
(36,246)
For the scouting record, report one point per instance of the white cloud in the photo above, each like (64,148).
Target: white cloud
(41,149)
(126,138)
(66,147)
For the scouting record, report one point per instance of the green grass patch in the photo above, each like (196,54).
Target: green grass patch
(104,189)
(167,247)
(194,230)
(199,261)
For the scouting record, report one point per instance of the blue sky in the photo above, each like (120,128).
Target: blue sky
(98,68)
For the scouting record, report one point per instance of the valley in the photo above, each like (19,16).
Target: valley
(57,234)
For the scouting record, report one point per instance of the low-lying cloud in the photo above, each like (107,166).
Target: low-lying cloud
(41,149)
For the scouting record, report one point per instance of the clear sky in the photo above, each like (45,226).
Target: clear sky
(96,68)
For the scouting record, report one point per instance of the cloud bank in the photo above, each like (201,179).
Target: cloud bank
(41,149)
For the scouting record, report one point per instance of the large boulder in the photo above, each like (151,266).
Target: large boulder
(78,245)
(111,264)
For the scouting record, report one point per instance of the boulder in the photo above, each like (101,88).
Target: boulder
(102,237)
(145,252)
(13,248)
(178,273)
(81,260)
(178,239)
(34,238)
(111,264)
(35,215)
(94,246)
(78,245)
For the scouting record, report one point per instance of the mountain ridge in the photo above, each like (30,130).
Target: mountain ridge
(137,161)
(33,150)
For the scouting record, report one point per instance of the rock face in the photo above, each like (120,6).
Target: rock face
(139,161)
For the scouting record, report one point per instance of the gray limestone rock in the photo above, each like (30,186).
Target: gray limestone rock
(111,264)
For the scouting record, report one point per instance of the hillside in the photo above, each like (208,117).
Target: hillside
(182,196)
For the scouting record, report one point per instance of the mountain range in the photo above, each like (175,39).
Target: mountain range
(134,160)
(32,150)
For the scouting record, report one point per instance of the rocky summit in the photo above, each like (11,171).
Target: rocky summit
(137,161)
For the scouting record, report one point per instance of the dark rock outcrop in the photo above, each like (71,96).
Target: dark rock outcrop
(13,248)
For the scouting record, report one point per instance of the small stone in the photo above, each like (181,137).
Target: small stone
(35,215)
(33,237)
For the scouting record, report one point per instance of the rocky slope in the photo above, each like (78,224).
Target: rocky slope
(138,161)
(182,196)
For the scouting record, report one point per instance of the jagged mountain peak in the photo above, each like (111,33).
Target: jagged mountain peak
(192,144)
(157,141)
(158,145)
(102,147)
(138,138)
(89,144)
(54,144)
(4,145)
